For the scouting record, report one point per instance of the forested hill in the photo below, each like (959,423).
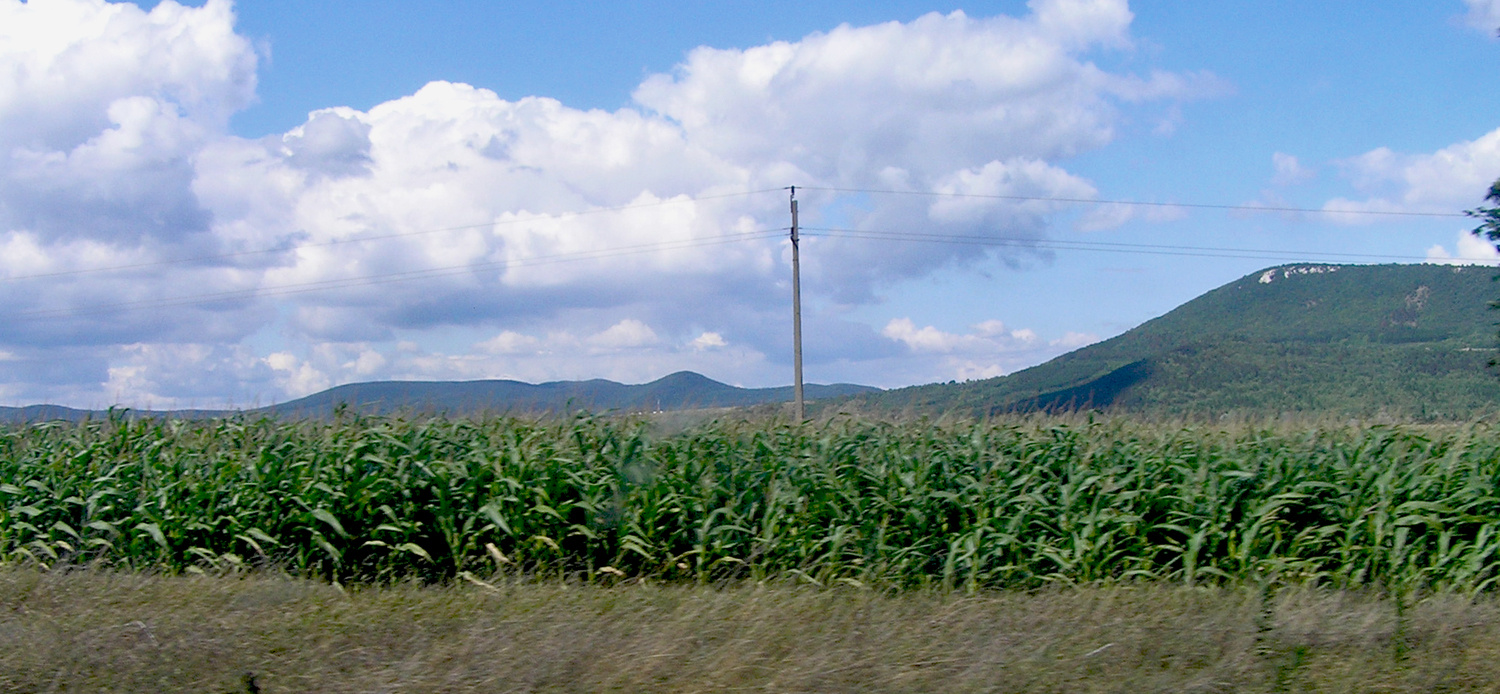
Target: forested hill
(683,390)
(1406,340)
(679,391)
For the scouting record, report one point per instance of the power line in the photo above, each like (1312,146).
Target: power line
(869,234)
(1105,246)
(823,232)
(1137,203)
(379,237)
(675,201)
(393,277)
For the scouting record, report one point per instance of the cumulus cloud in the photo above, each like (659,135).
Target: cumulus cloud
(554,240)
(990,349)
(333,142)
(839,106)
(1452,178)
(102,106)
(295,376)
(80,56)
(509,342)
(103,109)
(708,341)
(627,334)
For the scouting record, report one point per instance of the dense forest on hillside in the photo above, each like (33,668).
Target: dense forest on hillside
(1357,340)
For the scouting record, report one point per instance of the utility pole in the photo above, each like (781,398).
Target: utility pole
(796,315)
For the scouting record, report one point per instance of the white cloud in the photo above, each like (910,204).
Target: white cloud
(369,362)
(990,350)
(627,334)
(928,339)
(509,342)
(1074,340)
(1469,250)
(200,375)
(1450,179)
(1483,15)
(973,371)
(708,341)
(924,96)
(76,57)
(1289,171)
(454,212)
(295,376)
(1014,178)
(1113,215)
(102,107)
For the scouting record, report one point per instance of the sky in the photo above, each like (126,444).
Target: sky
(217,204)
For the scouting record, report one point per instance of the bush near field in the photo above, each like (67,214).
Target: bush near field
(998,504)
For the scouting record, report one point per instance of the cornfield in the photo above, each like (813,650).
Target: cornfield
(998,504)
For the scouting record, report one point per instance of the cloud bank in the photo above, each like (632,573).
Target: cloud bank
(147,256)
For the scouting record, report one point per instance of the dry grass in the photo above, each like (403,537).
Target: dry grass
(99,631)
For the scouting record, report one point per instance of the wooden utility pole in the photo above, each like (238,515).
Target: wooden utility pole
(796,315)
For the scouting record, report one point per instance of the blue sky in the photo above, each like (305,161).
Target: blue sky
(216,203)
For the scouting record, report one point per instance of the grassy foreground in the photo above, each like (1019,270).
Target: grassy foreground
(101,631)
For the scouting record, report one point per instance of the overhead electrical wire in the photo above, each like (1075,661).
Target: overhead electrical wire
(1136,203)
(764,234)
(381,237)
(602,210)
(444,271)
(393,277)
(1104,246)
(677,201)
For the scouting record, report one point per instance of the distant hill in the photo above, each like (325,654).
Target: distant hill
(47,413)
(1408,340)
(679,391)
(42,413)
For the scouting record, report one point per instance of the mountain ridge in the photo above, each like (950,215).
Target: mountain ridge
(676,391)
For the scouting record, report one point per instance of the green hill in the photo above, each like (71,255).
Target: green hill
(683,390)
(1407,340)
(679,391)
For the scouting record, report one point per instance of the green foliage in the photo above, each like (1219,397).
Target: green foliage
(1489,217)
(976,505)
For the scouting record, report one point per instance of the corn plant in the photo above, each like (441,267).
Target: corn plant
(1006,503)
